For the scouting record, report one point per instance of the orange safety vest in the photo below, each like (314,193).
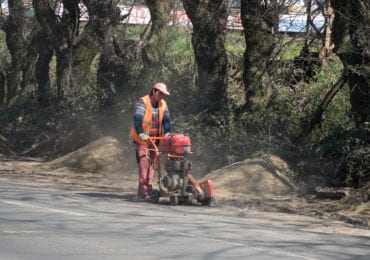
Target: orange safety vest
(147,119)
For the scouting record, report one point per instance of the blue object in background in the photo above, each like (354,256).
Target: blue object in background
(296,23)
(30,13)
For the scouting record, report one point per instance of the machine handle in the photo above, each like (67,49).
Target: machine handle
(157,157)
(152,142)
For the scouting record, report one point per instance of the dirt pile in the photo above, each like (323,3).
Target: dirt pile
(266,176)
(104,164)
(105,155)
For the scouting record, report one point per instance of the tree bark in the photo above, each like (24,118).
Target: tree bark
(75,51)
(2,88)
(258,21)
(3,25)
(56,36)
(351,36)
(119,65)
(42,70)
(209,20)
(19,36)
(154,47)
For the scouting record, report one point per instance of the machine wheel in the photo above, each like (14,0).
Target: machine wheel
(206,202)
(154,196)
(174,200)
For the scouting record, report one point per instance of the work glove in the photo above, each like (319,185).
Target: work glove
(144,137)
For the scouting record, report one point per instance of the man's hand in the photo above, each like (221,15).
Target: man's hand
(144,137)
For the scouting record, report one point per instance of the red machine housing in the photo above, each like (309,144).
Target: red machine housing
(176,143)
(178,183)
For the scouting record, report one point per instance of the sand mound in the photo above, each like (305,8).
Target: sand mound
(265,176)
(105,155)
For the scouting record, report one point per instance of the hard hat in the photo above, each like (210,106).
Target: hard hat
(162,88)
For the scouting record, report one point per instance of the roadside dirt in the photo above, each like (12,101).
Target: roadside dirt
(264,184)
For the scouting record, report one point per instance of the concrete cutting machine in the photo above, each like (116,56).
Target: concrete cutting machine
(178,184)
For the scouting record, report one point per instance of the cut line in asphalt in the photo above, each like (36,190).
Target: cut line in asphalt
(58,211)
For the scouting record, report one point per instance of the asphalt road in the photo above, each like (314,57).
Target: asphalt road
(48,222)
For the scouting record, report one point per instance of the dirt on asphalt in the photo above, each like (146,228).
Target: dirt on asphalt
(265,183)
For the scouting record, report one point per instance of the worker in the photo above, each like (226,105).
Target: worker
(151,119)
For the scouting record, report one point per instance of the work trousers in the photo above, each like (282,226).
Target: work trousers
(145,156)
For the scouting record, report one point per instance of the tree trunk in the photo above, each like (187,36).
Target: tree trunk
(75,51)
(154,48)
(2,88)
(56,38)
(19,35)
(209,19)
(258,22)
(3,25)
(73,64)
(119,66)
(42,70)
(119,71)
(351,39)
